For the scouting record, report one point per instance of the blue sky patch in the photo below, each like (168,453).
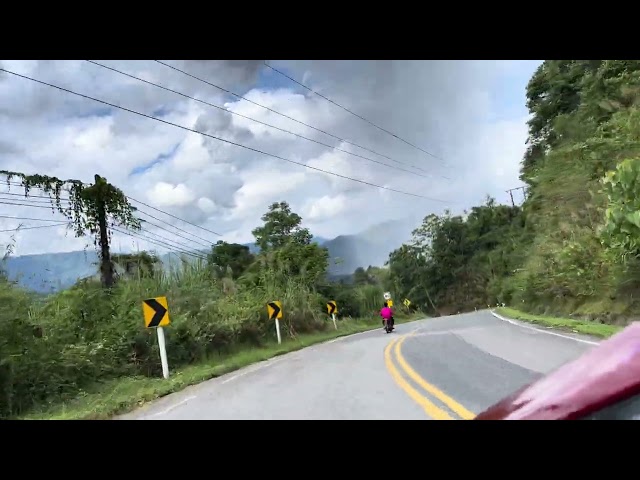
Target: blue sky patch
(163,157)
(161,112)
(270,80)
(508,94)
(98,112)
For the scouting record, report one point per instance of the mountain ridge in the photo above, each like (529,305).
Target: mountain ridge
(51,272)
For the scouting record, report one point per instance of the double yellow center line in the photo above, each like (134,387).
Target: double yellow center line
(394,351)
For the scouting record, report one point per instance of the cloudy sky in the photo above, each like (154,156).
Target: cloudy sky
(469,114)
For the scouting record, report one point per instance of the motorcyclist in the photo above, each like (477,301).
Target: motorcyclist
(387,314)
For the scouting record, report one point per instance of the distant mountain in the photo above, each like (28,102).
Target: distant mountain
(370,247)
(51,272)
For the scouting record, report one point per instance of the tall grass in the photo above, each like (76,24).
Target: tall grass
(51,351)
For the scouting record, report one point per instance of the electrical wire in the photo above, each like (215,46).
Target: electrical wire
(154,240)
(222,139)
(155,234)
(146,221)
(177,218)
(158,242)
(47,199)
(31,228)
(28,205)
(30,195)
(207,242)
(353,113)
(36,200)
(281,114)
(136,209)
(30,218)
(259,121)
(59,223)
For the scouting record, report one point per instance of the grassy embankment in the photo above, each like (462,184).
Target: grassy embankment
(586,327)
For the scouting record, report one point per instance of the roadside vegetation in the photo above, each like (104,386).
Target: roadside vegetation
(585,327)
(84,352)
(572,248)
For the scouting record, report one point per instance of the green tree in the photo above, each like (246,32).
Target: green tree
(360,277)
(95,209)
(622,225)
(281,226)
(140,264)
(287,248)
(230,256)
(554,90)
(455,262)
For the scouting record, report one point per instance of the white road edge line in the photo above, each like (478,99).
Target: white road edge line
(168,409)
(518,324)
(345,337)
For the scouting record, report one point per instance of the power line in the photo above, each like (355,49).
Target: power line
(168,240)
(59,223)
(176,234)
(283,115)
(353,113)
(28,205)
(221,139)
(257,121)
(36,200)
(146,221)
(160,243)
(31,228)
(152,240)
(30,218)
(208,244)
(45,197)
(177,218)
(30,195)
(205,243)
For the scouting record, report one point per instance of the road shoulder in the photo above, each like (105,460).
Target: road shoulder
(580,330)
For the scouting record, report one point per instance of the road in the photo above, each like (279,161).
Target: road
(443,368)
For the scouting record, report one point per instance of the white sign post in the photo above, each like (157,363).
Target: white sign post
(333,317)
(163,352)
(278,331)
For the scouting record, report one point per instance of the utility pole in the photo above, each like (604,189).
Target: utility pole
(106,266)
(510,192)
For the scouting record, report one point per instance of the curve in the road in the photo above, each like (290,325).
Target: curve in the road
(429,407)
(475,358)
(431,389)
(392,352)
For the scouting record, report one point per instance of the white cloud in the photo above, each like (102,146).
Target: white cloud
(167,195)
(325,208)
(206,205)
(446,107)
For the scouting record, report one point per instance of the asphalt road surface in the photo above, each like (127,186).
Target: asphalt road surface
(441,369)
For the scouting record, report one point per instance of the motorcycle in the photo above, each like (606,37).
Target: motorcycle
(388,326)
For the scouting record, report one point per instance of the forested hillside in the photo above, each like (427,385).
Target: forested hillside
(572,247)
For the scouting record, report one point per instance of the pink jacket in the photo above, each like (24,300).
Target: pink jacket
(386,313)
